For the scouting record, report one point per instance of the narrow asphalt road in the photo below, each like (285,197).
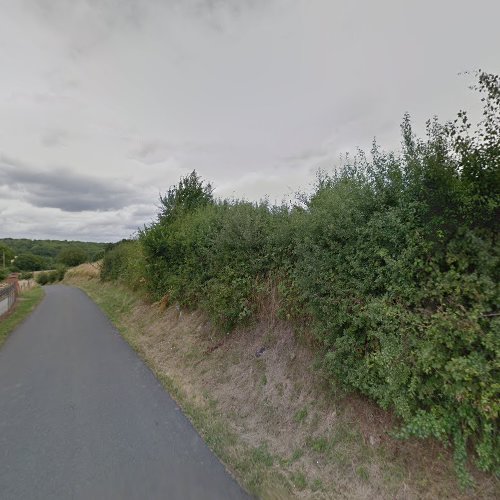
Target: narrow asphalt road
(82,417)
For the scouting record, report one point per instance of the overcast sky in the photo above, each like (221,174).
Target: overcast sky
(105,103)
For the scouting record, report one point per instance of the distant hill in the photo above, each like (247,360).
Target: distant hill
(50,249)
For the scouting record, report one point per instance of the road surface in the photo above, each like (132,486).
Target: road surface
(82,417)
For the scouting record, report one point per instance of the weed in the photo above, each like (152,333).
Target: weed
(296,455)
(319,445)
(317,485)
(362,473)
(299,480)
(300,415)
(262,456)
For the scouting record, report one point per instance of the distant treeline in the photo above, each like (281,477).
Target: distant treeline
(35,255)
(391,267)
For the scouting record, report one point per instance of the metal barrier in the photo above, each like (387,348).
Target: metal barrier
(8,296)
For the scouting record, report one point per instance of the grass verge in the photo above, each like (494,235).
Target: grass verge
(27,301)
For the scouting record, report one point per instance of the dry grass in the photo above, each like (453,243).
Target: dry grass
(270,415)
(25,285)
(87,271)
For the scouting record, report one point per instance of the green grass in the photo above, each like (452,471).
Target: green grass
(299,480)
(300,415)
(296,455)
(317,485)
(362,472)
(25,305)
(319,445)
(262,456)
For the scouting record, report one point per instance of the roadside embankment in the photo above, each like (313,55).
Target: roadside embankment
(262,404)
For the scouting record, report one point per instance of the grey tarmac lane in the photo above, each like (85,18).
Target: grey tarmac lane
(82,417)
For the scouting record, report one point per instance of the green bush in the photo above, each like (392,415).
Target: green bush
(176,245)
(29,262)
(49,277)
(72,256)
(26,276)
(6,254)
(232,257)
(61,272)
(53,276)
(42,278)
(398,264)
(124,261)
(214,256)
(393,263)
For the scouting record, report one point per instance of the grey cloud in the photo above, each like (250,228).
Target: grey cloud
(107,13)
(54,138)
(307,154)
(216,12)
(142,212)
(92,22)
(152,152)
(41,223)
(253,94)
(88,23)
(63,189)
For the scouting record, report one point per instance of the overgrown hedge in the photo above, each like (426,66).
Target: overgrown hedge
(125,261)
(393,262)
(53,276)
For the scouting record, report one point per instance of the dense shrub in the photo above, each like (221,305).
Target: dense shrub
(56,274)
(6,255)
(213,256)
(61,272)
(236,257)
(53,276)
(72,256)
(393,263)
(42,278)
(124,261)
(29,262)
(99,255)
(401,298)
